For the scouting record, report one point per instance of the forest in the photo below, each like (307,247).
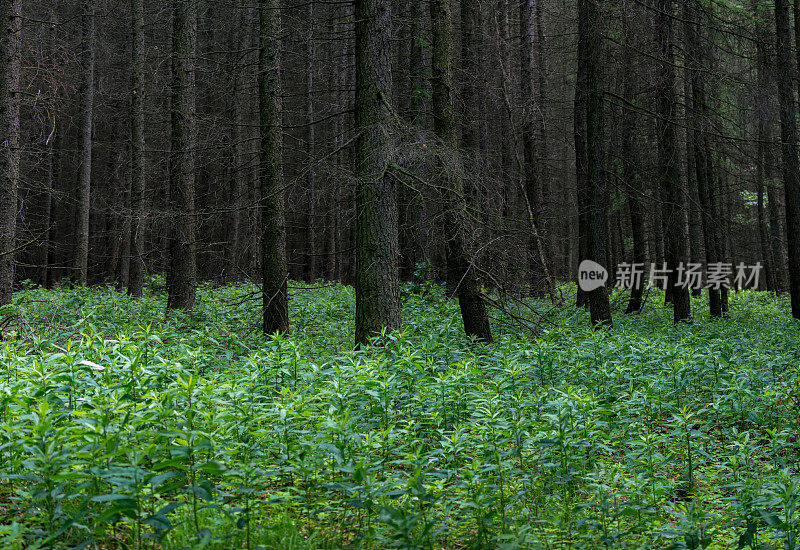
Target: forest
(440,274)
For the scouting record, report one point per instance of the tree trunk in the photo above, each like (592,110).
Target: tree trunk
(590,33)
(85,169)
(10,51)
(701,153)
(763,122)
(311,259)
(460,261)
(630,176)
(579,131)
(45,274)
(182,273)
(377,244)
(676,240)
(241,148)
(776,235)
(791,167)
(539,279)
(138,223)
(274,274)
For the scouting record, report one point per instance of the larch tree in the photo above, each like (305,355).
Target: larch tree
(460,262)
(10,38)
(791,165)
(182,271)
(87,55)
(274,274)
(377,282)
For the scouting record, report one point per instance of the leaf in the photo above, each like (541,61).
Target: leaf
(771,519)
(92,365)
(212,466)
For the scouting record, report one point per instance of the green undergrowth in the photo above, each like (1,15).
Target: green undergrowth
(123,427)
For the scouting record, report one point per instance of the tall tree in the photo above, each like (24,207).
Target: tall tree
(137,268)
(676,241)
(630,173)
(596,192)
(10,38)
(87,114)
(377,244)
(460,261)
(274,274)
(579,134)
(311,262)
(791,165)
(533,189)
(700,147)
(241,145)
(48,216)
(182,272)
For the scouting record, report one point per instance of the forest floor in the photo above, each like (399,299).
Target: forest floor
(120,427)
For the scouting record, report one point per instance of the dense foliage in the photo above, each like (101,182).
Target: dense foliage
(120,427)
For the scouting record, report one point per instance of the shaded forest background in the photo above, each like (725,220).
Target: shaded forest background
(516,68)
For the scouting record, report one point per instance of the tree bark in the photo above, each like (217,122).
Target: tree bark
(10,40)
(311,244)
(377,239)
(791,166)
(138,227)
(85,169)
(579,132)
(590,32)
(240,148)
(460,261)
(182,273)
(629,173)
(45,274)
(763,122)
(539,276)
(701,151)
(274,273)
(675,237)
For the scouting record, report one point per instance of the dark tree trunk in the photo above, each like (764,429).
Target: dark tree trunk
(182,272)
(764,123)
(459,259)
(590,31)
(701,153)
(791,167)
(696,232)
(45,274)
(675,239)
(410,250)
(579,130)
(85,169)
(534,196)
(274,274)
(377,246)
(240,149)
(311,245)
(630,177)
(10,51)
(776,235)
(138,221)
